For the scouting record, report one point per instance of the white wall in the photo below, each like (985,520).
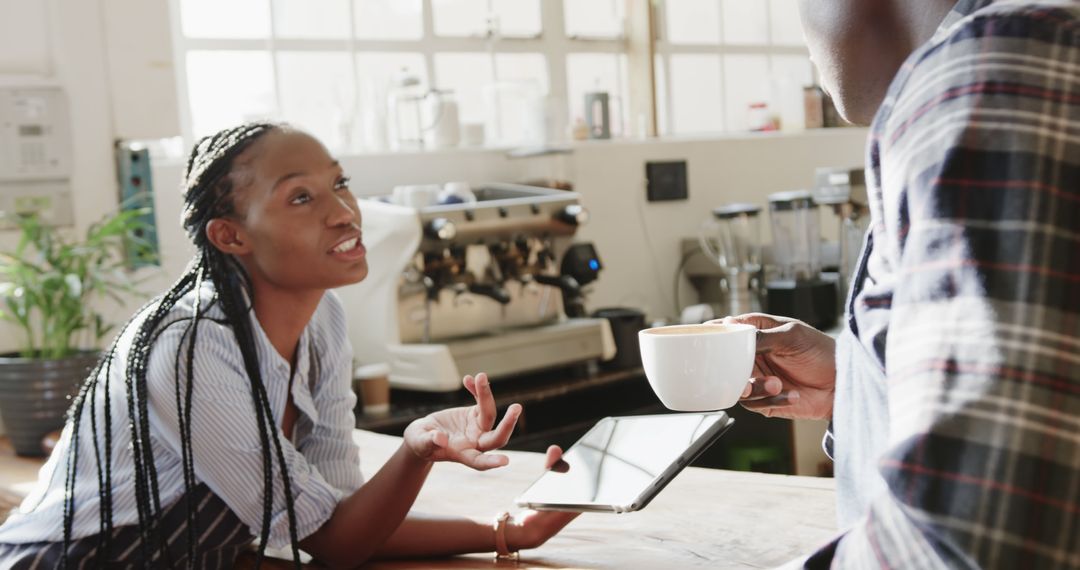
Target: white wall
(638,241)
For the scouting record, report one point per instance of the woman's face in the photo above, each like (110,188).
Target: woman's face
(296,220)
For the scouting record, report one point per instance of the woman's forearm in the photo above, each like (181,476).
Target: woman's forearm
(363,521)
(421,536)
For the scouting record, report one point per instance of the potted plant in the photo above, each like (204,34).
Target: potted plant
(48,286)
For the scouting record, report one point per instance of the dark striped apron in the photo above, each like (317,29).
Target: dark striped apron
(222,537)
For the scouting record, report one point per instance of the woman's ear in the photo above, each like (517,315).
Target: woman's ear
(227,236)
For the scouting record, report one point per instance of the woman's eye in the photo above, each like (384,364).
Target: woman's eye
(303,198)
(342,183)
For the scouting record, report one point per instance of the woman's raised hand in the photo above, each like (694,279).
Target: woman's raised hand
(465,434)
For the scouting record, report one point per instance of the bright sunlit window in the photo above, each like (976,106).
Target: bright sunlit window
(719,60)
(368,75)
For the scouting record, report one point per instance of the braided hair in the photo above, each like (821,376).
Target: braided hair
(208,194)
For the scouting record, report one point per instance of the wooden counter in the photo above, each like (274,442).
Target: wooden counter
(705,518)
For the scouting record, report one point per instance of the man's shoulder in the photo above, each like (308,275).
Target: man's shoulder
(1005,56)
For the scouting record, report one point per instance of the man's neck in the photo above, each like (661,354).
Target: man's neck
(921,19)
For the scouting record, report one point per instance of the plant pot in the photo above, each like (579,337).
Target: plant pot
(35,395)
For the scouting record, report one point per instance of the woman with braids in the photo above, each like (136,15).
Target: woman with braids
(222,412)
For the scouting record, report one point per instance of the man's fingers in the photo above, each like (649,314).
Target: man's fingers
(498,437)
(759,320)
(766,406)
(774,338)
(765,387)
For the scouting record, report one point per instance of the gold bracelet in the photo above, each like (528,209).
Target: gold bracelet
(502,551)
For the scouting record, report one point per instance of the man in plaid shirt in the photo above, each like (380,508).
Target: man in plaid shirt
(954,390)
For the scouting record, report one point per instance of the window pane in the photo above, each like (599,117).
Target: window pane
(794,68)
(693,21)
(317,95)
(227,20)
(594,18)
(696,97)
(469,18)
(746,22)
(466,74)
(786,27)
(388,19)
(306,19)
(226,88)
(518,18)
(591,72)
(517,111)
(460,17)
(523,67)
(746,81)
(790,73)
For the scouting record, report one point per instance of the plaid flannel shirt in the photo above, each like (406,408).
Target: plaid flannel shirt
(967,302)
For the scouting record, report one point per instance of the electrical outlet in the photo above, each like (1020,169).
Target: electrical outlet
(666,180)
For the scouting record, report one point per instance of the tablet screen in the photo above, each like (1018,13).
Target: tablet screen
(620,458)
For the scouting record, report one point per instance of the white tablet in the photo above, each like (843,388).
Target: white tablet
(623,462)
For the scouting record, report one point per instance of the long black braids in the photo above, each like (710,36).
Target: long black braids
(208,194)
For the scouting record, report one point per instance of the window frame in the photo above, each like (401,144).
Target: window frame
(552,43)
(664,49)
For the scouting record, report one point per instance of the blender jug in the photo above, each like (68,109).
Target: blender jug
(793,217)
(797,290)
(730,238)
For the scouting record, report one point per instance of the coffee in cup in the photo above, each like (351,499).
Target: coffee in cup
(694,368)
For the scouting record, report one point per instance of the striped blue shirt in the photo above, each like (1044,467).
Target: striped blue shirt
(323,460)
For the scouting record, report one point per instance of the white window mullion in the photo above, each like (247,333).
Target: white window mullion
(180,50)
(426,44)
(272,48)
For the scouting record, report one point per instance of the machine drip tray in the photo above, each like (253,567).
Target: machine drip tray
(503,354)
(535,348)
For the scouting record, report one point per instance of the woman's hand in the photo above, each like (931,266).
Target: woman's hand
(794,371)
(464,434)
(530,529)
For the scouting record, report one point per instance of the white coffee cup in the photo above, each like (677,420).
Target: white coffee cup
(694,368)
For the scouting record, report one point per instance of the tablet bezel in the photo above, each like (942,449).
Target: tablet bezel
(647,494)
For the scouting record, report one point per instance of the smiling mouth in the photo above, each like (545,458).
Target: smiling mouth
(347,245)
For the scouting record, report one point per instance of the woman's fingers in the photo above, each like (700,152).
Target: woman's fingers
(554,460)
(498,437)
(482,461)
(485,401)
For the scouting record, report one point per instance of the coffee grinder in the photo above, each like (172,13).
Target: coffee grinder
(796,288)
(730,238)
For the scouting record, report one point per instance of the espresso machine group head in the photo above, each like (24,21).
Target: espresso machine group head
(476,287)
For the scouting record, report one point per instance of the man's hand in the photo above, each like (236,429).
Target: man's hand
(464,434)
(794,371)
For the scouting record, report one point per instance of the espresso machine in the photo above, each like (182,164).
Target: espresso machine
(795,287)
(478,286)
